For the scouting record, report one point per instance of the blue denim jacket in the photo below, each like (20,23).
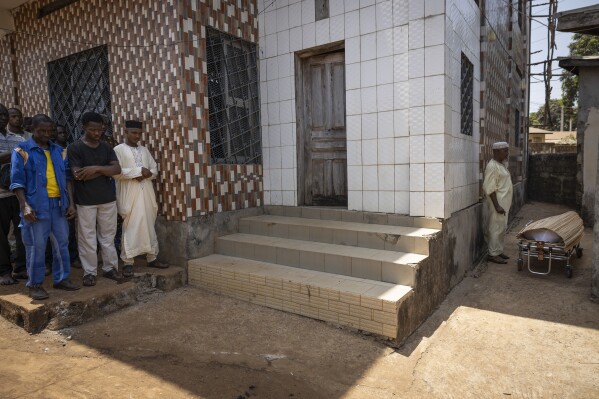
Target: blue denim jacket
(28,171)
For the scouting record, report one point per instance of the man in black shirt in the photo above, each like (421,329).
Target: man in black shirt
(93,162)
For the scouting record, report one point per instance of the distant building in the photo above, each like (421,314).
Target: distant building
(585,20)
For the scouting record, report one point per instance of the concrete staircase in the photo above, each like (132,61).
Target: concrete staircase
(357,269)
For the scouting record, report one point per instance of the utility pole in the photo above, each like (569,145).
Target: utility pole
(548,66)
(561,125)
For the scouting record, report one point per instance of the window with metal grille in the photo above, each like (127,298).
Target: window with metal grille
(467,93)
(234,114)
(77,84)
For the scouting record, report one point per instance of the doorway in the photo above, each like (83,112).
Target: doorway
(322,138)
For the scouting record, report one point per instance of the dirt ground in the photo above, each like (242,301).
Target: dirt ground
(501,334)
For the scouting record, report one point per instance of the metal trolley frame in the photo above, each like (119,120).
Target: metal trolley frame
(542,250)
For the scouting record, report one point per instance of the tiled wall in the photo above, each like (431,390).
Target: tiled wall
(156,52)
(212,188)
(502,90)
(143,80)
(6,79)
(462,152)
(404,152)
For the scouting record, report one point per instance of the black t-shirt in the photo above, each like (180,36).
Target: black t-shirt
(95,191)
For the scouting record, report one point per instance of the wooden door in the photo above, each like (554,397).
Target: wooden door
(323,146)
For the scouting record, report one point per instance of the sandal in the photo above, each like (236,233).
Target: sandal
(113,274)
(128,271)
(89,280)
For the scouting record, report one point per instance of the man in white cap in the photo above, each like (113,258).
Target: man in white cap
(498,191)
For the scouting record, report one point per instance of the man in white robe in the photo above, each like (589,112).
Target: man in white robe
(498,190)
(136,200)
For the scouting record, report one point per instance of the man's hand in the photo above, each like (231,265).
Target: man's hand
(71,212)
(145,172)
(86,173)
(29,214)
(499,210)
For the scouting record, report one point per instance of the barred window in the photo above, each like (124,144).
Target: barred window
(234,114)
(467,93)
(79,83)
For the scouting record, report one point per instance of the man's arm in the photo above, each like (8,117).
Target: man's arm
(71,211)
(498,208)
(26,209)
(91,172)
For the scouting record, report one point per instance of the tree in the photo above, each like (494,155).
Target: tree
(581,45)
(538,118)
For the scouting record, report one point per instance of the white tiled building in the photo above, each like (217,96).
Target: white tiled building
(406,153)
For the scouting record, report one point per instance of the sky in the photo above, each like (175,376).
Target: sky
(539,42)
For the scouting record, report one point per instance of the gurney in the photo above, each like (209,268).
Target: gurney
(556,238)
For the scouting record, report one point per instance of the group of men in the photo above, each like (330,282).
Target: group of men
(52,184)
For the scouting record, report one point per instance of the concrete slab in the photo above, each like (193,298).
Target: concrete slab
(65,309)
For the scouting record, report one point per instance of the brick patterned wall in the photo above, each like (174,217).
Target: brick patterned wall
(501,91)
(156,50)
(6,80)
(143,80)
(213,188)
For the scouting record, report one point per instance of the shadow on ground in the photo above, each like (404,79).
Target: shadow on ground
(503,333)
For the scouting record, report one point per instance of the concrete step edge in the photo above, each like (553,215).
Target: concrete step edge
(325,248)
(367,305)
(414,232)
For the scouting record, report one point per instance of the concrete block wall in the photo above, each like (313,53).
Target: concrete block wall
(405,152)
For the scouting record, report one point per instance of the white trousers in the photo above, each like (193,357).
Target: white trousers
(97,223)
(495,231)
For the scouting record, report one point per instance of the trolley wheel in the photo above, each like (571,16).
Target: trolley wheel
(578,252)
(569,271)
(520,264)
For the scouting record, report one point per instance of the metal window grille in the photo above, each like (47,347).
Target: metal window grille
(233,101)
(467,93)
(77,84)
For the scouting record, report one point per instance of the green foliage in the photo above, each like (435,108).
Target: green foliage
(538,118)
(581,45)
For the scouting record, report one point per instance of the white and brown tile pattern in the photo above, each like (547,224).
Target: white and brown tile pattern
(156,52)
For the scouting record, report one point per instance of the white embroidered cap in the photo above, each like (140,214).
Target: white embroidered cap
(500,145)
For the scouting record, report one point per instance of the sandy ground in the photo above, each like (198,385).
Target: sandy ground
(502,334)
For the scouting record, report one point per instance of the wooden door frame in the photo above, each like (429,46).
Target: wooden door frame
(300,59)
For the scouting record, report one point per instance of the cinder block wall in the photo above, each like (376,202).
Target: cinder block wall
(553,178)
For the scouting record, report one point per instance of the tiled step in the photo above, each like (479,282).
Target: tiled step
(363,304)
(340,214)
(373,264)
(374,236)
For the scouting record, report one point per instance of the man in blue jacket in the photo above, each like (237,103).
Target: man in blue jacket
(39,180)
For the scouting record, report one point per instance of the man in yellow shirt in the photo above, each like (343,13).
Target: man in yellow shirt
(39,180)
